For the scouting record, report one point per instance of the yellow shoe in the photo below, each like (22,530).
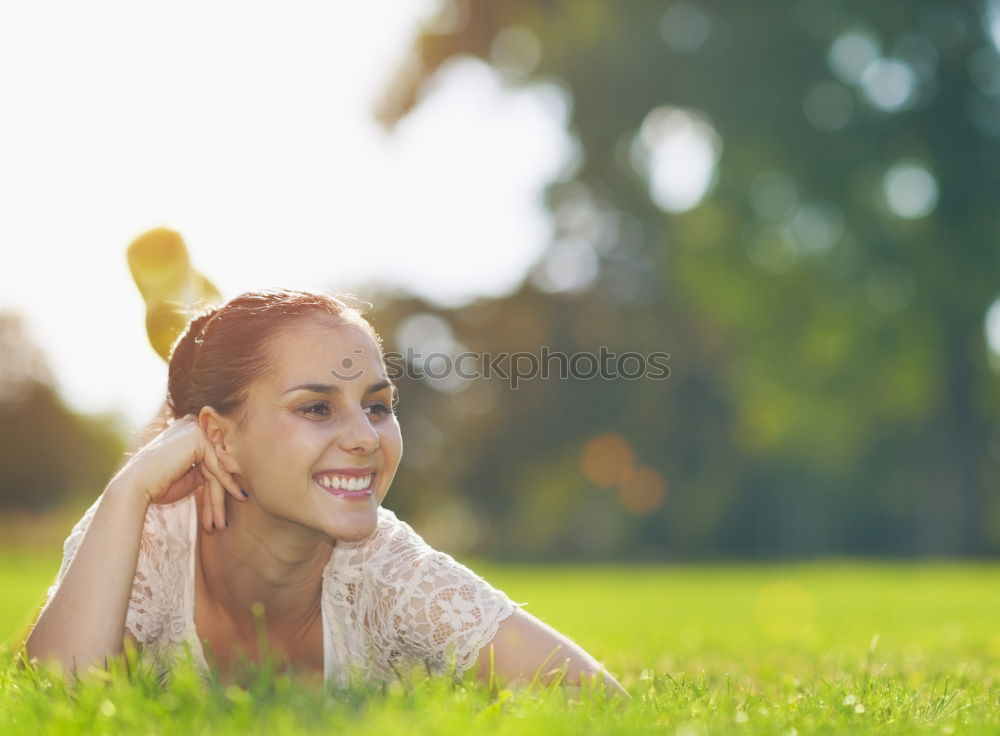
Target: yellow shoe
(171,288)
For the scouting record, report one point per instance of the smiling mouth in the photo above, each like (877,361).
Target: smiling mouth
(347,486)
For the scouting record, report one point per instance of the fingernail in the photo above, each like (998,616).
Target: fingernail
(245,494)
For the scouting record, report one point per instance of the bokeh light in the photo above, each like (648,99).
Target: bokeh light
(991,325)
(643,492)
(570,265)
(453,527)
(992,22)
(608,460)
(677,153)
(889,84)
(424,333)
(910,189)
(852,53)
(428,343)
(817,226)
(684,27)
(516,51)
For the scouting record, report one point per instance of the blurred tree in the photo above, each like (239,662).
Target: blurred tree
(797,201)
(47,452)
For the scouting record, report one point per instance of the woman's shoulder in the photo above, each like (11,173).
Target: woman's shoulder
(393,535)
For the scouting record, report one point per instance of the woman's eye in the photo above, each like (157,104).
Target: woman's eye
(317,410)
(380,410)
(322,409)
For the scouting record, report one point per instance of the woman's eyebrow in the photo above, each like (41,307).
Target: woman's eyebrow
(329,388)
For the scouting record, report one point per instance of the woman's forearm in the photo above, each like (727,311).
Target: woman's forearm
(84,622)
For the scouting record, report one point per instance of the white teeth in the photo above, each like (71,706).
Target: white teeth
(345,482)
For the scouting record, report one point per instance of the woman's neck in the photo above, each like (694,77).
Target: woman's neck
(260,559)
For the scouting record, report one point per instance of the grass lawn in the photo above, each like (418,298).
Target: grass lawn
(833,647)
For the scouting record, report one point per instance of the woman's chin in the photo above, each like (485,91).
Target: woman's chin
(353,532)
(354,526)
(349,516)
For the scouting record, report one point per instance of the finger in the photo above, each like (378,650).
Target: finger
(206,505)
(218,494)
(190,481)
(225,478)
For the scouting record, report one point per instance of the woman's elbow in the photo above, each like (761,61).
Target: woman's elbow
(525,650)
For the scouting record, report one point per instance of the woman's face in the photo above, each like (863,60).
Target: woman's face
(322,416)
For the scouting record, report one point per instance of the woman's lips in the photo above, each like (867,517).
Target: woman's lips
(350,494)
(339,493)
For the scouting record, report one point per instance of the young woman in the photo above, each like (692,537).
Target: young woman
(259,505)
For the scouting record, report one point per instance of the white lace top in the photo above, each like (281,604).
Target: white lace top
(390,600)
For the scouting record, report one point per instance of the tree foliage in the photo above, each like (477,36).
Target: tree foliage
(823,305)
(48,453)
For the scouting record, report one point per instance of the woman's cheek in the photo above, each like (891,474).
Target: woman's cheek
(395,438)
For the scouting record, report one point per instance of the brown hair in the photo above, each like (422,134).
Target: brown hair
(224,349)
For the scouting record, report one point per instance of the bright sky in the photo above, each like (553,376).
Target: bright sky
(246,126)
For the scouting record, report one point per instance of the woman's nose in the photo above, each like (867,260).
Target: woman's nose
(359,435)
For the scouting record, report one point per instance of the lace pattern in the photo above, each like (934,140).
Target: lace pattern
(388,600)
(411,604)
(154,614)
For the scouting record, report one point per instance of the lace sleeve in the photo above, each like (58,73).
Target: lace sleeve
(141,618)
(440,608)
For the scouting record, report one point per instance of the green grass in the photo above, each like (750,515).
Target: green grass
(24,578)
(826,648)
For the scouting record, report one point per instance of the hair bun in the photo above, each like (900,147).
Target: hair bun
(182,357)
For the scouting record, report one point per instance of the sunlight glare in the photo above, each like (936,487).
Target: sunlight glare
(251,133)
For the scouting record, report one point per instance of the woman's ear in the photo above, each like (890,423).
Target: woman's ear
(221,433)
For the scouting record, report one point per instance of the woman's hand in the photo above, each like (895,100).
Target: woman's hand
(84,621)
(180,461)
